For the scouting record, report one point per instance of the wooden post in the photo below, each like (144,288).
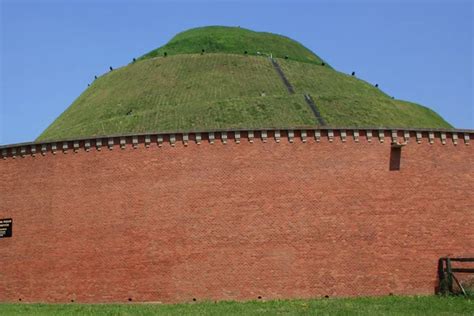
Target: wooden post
(450,275)
(442,276)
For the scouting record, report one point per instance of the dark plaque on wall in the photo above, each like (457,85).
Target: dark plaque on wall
(6,227)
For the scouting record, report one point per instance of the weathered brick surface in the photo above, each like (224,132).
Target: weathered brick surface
(233,221)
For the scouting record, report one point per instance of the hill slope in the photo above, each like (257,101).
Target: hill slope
(179,93)
(234,40)
(348,101)
(222,90)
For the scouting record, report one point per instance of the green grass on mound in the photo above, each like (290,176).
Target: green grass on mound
(344,100)
(183,92)
(220,91)
(424,305)
(234,40)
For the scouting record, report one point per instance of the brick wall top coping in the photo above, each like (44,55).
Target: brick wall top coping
(399,136)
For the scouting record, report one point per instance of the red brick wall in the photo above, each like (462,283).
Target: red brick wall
(235,221)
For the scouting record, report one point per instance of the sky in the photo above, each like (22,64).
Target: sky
(421,51)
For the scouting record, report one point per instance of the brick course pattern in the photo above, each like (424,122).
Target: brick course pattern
(234,221)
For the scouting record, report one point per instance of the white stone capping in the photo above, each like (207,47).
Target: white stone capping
(304,135)
(431,137)
(406,136)
(291,136)
(264,136)
(110,143)
(418,137)
(185,139)
(356,135)
(212,137)
(277,136)
(224,137)
(135,142)
(455,138)
(443,138)
(317,135)
(123,142)
(237,137)
(250,136)
(394,136)
(368,134)
(330,135)
(75,146)
(381,136)
(159,140)
(343,135)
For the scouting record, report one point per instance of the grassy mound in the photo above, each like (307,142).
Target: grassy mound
(234,40)
(211,91)
(344,100)
(185,91)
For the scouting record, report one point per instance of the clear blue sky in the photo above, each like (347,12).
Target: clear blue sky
(50,50)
